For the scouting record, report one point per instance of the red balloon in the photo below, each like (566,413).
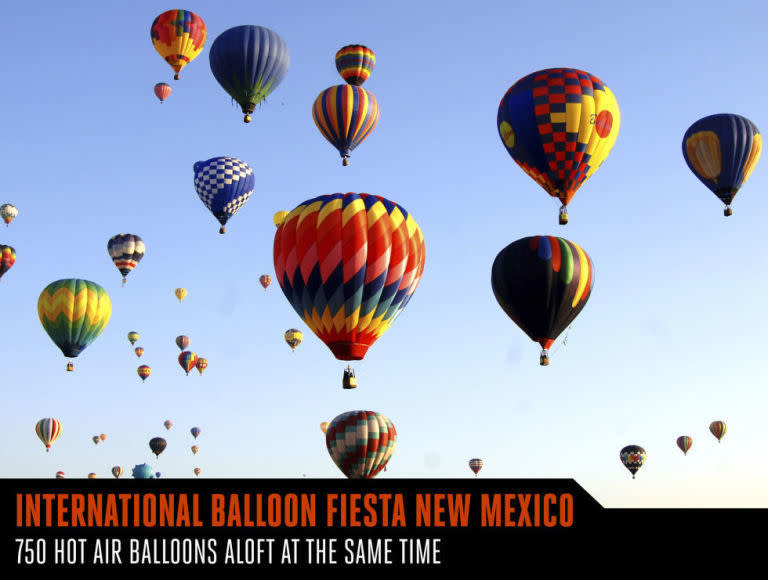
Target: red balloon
(162,91)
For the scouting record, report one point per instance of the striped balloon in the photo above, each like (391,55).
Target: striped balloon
(187,360)
(182,342)
(163,91)
(223,184)
(718,429)
(542,283)
(74,312)
(361,443)
(684,443)
(133,336)
(61,475)
(349,264)
(345,115)
(7,258)
(178,36)
(355,63)
(139,351)
(722,151)
(144,371)
(117,471)
(475,465)
(126,251)
(48,430)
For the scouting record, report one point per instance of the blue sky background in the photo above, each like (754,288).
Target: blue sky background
(671,338)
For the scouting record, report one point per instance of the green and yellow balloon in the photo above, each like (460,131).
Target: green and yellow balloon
(73,312)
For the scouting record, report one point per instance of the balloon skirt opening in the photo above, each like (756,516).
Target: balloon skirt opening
(348,350)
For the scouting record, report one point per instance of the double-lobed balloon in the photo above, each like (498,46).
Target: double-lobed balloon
(349,264)
(361,443)
(178,36)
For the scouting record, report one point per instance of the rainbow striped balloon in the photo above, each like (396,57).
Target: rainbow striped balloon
(355,63)
(361,443)
(74,312)
(48,430)
(349,264)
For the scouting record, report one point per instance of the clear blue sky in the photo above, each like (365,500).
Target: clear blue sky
(670,340)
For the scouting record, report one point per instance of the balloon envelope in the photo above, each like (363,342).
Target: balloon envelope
(293,337)
(117,471)
(48,430)
(126,251)
(722,151)
(133,337)
(163,91)
(265,280)
(195,431)
(180,293)
(633,457)
(249,62)
(178,36)
(361,443)
(144,371)
(718,429)
(7,258)
(345,115)
(157,445)
(475,465)
(168,423)
(182,342)
(223,184)
(142,471)
(684,443)
(349,264)
(355,63)
(8,212)
(187,360)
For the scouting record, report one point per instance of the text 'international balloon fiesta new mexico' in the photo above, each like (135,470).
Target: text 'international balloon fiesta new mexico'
(349,264)
(559,125)
(542,283)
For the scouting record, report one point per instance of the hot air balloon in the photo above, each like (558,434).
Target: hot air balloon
(92,476)
(265,280)
(157,445)
(345,115)
(718,429)
(7,258)
(559,125)
(293,337)
(195,449)
(96,439)
(158,474)
(722,151)
(542,283)
(179,36)
(117,471)
(349,380)
(8,212)
(144,371)
(73,312)
(223,184)
(142,471)
(126,251)
(180,293)
(182,341)
(187,360)
(133,336)
(103,436)
(249,62)
(324,426)
(61,475)
(163,91)
(684,443)
(195,431)
(48,430)
(475,465)
(361,443)
(139,351)
(201,365)
(355,63)
(278,218)
(633,457)
(168,423)
(197,471)
(349,278)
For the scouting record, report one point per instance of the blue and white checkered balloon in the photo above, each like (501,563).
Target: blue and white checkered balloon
(224,184)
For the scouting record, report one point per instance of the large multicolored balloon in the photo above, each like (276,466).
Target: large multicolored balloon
(349,264)
(542,283)
(633,457)
(722,151)
(7,258)
(684,443)
(355,63)
(48,430)
(133,337)
(475,465)
(8,212)
(182,341)
(126,251)
(143,471)
(559,125)
(223,184)
(180,293)
(718,429)
(361,443)
(117,471)
(293,337)
(249,62)
(144,371)
(195,431)
(265,280)
(345,115)
(73,312)
(157,445)
(187,360)
(179,37)
(163,91)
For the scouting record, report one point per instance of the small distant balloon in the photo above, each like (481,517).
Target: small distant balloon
(143,471)
(182,342)
(633,457)
(144,371)
(96,439)
(265,280)
(187,360)
(293,337)
(196,470)
(60,475)
(195,449)
(92,475)
(133,336)
(8,212)
(48,430)
(718,429)
(195,431)
(158,474)
(201,365)
(684,443)
(103,436)
(139,351)
(7,258)
(278,218)
(168,423)
(324,426)
(157,445)
(126,251)
(117,471)
(180,293)
(163,91)
(475,465)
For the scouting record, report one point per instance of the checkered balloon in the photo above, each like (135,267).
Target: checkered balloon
(224,184)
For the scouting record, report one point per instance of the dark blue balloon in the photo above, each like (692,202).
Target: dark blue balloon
(249,62)
(223,184)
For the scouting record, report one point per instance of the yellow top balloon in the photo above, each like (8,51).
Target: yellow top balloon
(180,293)
(178,36)
(278,218)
